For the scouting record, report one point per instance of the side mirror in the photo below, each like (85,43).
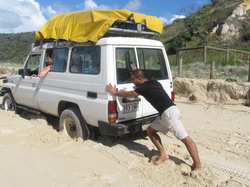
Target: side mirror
(21,72)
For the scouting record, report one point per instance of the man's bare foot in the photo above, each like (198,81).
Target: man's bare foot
(161,159)
(196,167)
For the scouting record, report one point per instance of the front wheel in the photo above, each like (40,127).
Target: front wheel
(8,102)
(72,124)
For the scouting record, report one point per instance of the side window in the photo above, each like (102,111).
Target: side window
(32,65)
(59,58)
(153,63)
(85,59)
(125,59)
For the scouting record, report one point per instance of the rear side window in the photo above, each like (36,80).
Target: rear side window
(152,62)
(125,59)
(85,60)
(60,57)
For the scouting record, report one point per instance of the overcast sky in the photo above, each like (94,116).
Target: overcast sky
(29,15)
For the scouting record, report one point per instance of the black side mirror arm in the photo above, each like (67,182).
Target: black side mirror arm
(21,72)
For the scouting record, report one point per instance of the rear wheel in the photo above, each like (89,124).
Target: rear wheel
(72,124)
(8,102)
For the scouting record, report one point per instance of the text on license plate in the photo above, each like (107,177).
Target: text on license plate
(130,108)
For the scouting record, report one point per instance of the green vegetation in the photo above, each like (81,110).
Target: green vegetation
(246,30)
(15,47)
(231,80)
(202,70)
(196,29)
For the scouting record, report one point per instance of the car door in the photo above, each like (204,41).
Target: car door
(25,93)
(153,62)
(128,108)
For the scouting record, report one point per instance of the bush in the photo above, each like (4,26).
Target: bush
(245,30)
(193,24)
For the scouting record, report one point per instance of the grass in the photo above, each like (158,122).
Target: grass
(202,70)
(228,66)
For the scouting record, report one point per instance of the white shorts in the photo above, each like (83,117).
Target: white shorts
(170,121)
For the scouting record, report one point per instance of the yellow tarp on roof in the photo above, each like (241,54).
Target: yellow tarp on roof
(90,25)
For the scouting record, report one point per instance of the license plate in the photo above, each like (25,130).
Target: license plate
(130,108)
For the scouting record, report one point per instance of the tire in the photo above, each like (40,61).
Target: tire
(8,102)
(72,124)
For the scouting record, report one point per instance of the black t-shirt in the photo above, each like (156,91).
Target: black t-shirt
(154,93)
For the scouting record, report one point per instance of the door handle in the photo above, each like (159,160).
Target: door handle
(33,84)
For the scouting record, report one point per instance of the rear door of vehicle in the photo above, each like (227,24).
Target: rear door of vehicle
(152,61)
(128,108)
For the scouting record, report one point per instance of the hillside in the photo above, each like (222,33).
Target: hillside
(220,23)
(15,47)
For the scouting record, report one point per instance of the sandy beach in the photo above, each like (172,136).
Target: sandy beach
(78,51)
(34,153)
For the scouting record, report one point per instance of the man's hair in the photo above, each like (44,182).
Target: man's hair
(49,53)
(138,73)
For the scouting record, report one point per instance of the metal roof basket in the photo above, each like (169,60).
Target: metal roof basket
(130,28)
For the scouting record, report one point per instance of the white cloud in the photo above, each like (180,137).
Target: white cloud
(55,8)
(174,17)
(49,11)
(133,5)
(90,4)
(164,20)
(20,16)
(167,21)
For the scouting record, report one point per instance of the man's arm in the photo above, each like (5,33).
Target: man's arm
(44,71)
(112,90)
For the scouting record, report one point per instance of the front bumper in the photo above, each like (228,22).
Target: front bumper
(119,129)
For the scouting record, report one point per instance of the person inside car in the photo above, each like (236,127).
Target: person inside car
(47,68)
(76,64)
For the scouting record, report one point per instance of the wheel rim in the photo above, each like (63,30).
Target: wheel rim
(70,127)
(8,105)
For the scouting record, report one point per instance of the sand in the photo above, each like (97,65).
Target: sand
(34,153)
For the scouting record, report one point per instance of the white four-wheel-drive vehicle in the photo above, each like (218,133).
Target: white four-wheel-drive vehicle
(78,96)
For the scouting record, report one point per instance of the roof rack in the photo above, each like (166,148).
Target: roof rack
(50,43)
(130,28)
